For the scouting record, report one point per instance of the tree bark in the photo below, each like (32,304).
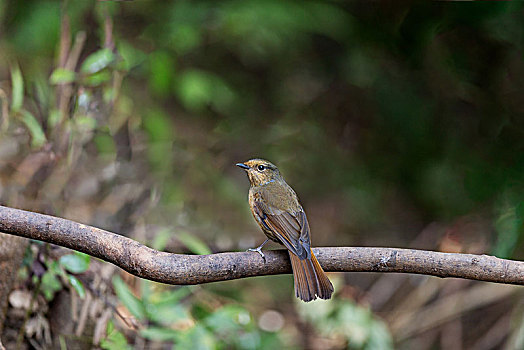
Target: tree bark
(180,269)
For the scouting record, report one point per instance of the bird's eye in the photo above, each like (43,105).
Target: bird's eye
(261,167)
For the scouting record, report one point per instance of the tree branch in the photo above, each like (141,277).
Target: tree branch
(151,264)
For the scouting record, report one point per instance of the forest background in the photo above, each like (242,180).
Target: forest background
(399,124)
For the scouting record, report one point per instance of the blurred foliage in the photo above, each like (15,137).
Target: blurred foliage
(174,317)
(348,324)
(385,117)
(50,275)
(115,340)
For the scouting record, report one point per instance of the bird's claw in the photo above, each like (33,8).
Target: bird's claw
(259,251)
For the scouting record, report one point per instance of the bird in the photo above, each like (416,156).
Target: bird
(278,212)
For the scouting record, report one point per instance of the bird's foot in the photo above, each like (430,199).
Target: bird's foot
(259,251)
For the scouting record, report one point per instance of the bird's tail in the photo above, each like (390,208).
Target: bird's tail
(310,280)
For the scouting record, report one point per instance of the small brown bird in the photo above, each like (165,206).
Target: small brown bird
(277,210)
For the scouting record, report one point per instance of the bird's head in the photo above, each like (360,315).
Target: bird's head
(260,171)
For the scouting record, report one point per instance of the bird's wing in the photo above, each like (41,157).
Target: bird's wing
(291,228)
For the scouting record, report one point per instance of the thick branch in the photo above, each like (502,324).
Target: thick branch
(151,264)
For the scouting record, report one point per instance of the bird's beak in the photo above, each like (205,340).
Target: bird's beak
(242,165)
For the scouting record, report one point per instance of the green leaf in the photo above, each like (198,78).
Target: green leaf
(162,72)
(97,78)
(85,123)
(105,144)
(35,129)
(54,118)
(61,75)
(50,284)
(185,37)
(132,303)
(115,340)
(193,243)
(195,89)
(77,285)
(159,334)
(131,56)
(159,126)
(97,61)
(18,89)
(54,266)
(75,263)
(37,30)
